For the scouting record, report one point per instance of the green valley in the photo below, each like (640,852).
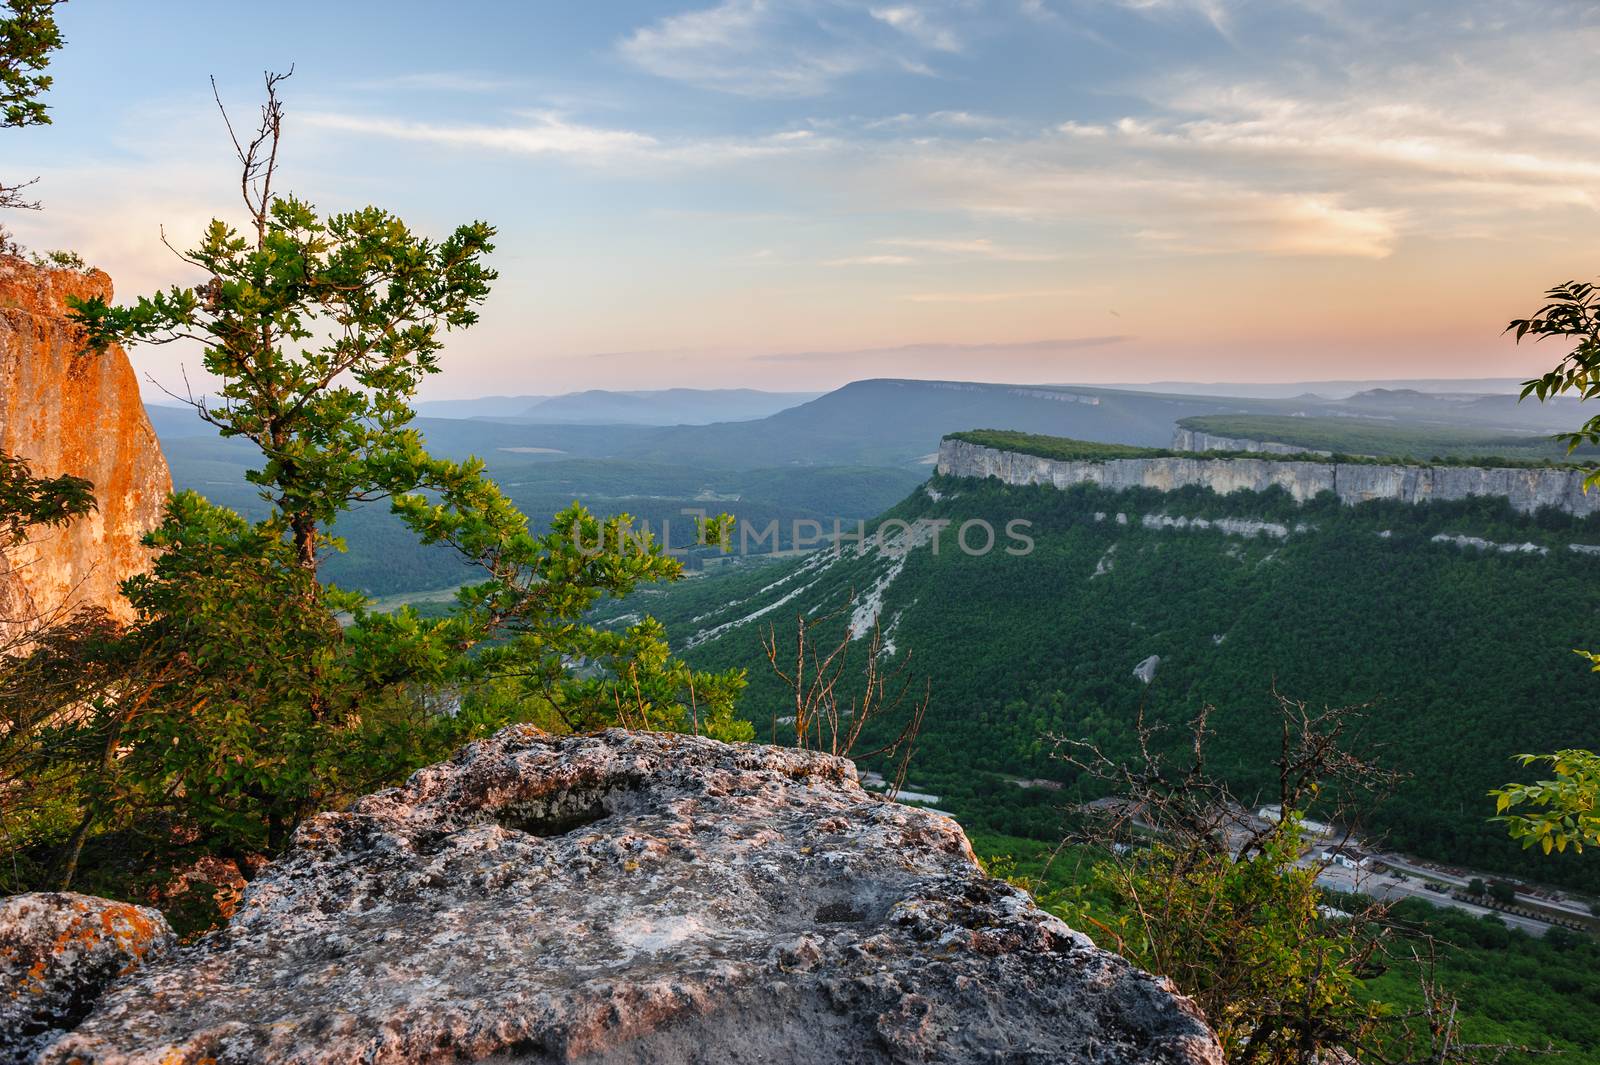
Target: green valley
(1458,648)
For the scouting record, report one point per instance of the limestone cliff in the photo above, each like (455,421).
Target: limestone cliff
(636,898)
(1195,440)
(1526,489)
(68,412)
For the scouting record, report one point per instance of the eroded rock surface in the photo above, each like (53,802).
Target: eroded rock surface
(68,412)
(58,951)
(637,897)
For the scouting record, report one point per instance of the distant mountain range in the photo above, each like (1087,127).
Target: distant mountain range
(666,406)
(888,422)
(849,453)
(1328,389)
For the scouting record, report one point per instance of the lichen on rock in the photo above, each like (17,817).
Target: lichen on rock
(636,897)
(58,951)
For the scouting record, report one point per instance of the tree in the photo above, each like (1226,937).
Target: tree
(1502,892)
(1563,811)
(28,34)
(29,697)
(29,504)
(292,692)
(1227,904)
(1220,902)
(1475,887)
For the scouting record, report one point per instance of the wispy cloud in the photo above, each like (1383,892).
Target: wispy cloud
(543,134)
(1216,12)
(738,47)
(872,260)
(972,248)
(441,81)
(921,352)
(788,48)
(914,22)
(985,297)
(546,133)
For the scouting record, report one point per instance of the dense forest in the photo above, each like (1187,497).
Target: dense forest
(382,558)
(1336,605)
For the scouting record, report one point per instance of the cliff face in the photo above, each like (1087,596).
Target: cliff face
(625,898)
(1526,489)
(67,412)
(1195,440)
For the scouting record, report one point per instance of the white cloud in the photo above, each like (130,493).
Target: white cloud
(985,297)
(550,134)
(1215,12)
(545,134)
(788,48)
(973,248)
(738,47)
(441,81)
(914,23)
(872,260)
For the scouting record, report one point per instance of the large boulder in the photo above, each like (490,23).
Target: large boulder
(68,411)
(58,951)
(637,897)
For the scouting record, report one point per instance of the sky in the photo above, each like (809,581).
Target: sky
(793,194)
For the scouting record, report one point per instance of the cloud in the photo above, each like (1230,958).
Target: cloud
(872,260)
(546,133)
(973,248)
(1031,348)
(914,23)
(984,297)
(739,47)
(787,48)
(441,81)
(1215,12)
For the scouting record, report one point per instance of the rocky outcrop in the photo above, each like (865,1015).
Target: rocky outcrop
(58,951)
(1195,440)
(1527,489)
(636,897)
(71,412)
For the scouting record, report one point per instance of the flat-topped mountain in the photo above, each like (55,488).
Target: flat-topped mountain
(1019,459)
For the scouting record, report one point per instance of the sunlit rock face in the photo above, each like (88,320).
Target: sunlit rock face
(637,897)
(1526,489)
(58,952)
(71,412)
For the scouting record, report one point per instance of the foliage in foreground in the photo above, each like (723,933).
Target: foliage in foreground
(250,692)
(1513,988)
(1563,811)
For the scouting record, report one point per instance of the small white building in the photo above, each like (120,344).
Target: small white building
(1347,859)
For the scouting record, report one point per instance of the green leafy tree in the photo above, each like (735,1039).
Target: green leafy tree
(1563,811)
(28,34)
(292,692)
(1220,902)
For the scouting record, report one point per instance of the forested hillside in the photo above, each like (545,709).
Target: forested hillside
(1463,651)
